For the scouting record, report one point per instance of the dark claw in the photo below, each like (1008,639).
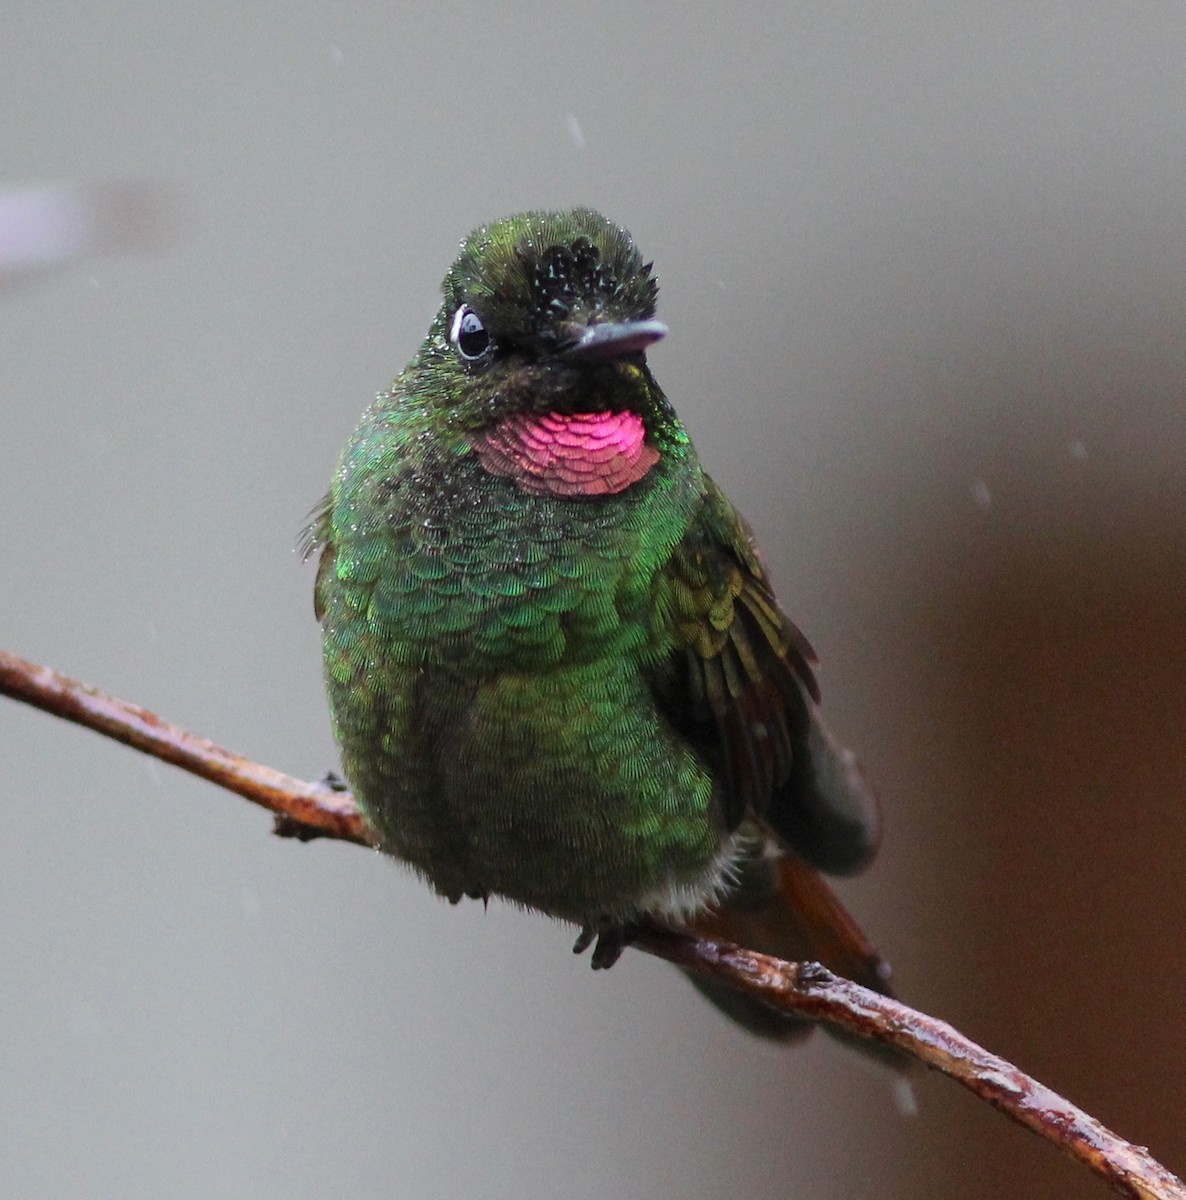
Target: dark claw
(289,827)
(611,941)
(584,940)
(610,944)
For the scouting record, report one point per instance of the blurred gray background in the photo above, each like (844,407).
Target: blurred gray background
(925,271)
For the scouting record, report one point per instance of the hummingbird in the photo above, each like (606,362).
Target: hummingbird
(556,668)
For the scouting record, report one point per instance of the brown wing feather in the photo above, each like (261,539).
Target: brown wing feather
(747,669)
(744,687)
(805,922)
(314,538)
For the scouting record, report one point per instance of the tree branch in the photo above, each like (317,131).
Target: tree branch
(304,810)
(309,810)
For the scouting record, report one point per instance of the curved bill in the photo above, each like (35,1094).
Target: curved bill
(614,339)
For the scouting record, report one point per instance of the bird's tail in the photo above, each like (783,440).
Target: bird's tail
(783,907)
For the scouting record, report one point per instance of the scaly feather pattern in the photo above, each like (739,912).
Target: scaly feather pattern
(555,666)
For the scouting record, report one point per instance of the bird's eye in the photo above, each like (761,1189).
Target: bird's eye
(470,335)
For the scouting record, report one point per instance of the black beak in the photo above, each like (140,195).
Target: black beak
(613,339)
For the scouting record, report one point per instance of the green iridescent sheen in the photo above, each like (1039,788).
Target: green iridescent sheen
(573,702)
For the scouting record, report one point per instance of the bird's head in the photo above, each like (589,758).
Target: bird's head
(537,355)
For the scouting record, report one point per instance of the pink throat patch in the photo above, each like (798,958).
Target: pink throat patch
(568,454)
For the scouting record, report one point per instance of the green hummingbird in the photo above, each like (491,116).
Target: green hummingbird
(556,668)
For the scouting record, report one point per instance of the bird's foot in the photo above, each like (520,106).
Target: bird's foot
(286,826)
(611,941)
(455,896)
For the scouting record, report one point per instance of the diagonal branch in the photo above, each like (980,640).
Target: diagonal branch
(310,810)
(810,990)
(305,809)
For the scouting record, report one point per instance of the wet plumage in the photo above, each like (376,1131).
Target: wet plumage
(556,669)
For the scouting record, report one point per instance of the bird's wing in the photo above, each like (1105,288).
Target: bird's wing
(740,683)
(315,539)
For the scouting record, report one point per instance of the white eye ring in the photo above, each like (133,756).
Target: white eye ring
(455,328)
(469,334)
